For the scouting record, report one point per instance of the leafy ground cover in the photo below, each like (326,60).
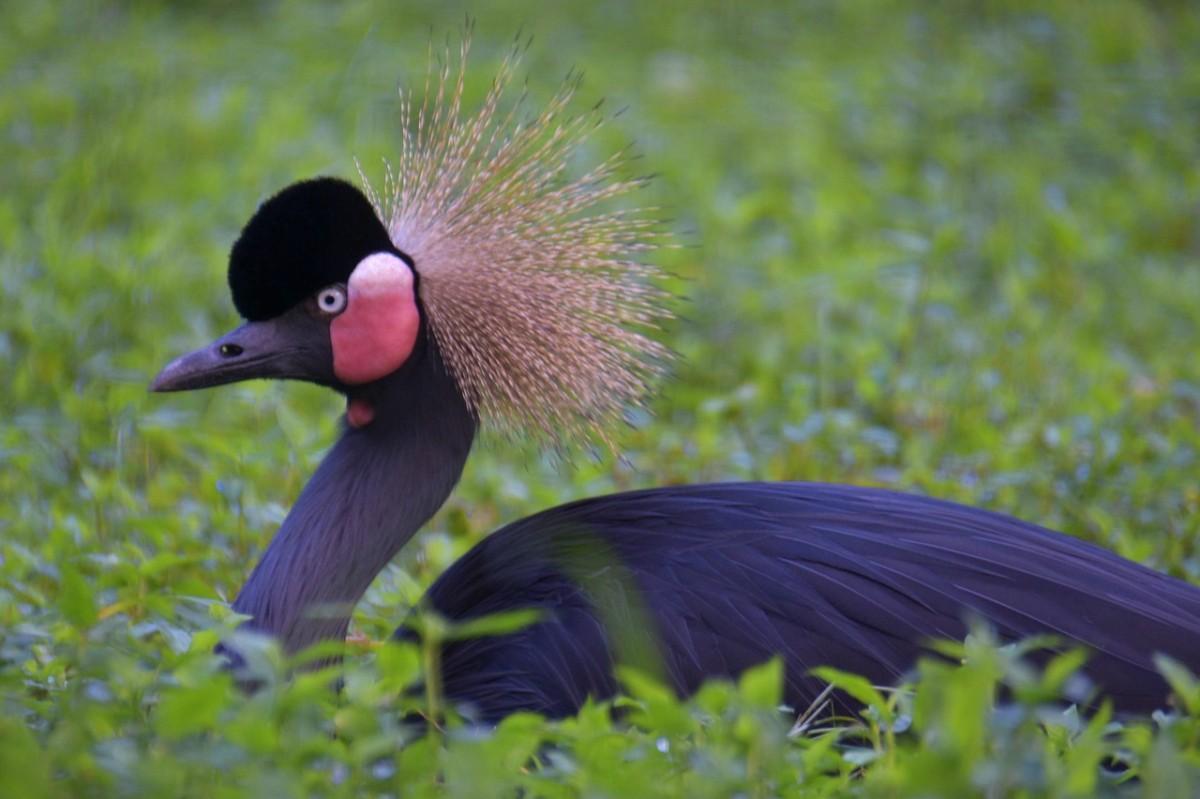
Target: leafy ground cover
(945,248)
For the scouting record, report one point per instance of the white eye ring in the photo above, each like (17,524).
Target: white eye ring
(331,300)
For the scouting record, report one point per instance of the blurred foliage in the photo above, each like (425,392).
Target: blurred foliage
(945,247)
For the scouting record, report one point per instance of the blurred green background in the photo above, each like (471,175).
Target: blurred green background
(944,247)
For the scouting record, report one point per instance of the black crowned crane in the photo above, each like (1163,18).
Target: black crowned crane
(481,287)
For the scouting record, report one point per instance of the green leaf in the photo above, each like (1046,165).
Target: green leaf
(858,687)
(186,710)
(502,623)
(1062,667)
(657,708)
(762,686)
(75,598)
(24,768)
(1182,681)
(398,664)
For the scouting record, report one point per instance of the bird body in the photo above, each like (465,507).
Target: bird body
(485,289)
(730,574)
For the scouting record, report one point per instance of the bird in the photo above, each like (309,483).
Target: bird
(485,288)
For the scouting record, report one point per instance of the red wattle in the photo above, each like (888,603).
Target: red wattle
(359,413)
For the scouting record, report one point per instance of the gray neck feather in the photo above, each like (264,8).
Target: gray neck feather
(371,493)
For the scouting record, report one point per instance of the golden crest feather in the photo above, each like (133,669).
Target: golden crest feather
(536,297)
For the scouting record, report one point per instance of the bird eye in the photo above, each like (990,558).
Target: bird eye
(331,301)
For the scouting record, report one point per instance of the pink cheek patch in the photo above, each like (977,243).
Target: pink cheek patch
(375,335)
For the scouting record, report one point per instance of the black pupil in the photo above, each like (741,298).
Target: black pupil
(330,300)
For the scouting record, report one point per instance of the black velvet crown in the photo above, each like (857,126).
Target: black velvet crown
(306,237)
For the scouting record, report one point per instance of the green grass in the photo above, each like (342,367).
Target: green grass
(949,248)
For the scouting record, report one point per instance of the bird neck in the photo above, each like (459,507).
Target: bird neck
(377,486)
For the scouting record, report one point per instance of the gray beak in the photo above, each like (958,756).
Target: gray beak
(290,346)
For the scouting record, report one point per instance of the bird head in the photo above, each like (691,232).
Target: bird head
(327,297)
(533,294)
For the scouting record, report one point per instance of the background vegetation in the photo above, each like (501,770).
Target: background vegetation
(949,248)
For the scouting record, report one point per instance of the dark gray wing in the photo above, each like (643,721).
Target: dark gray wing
(717,578)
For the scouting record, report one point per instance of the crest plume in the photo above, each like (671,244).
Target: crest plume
(534,293)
